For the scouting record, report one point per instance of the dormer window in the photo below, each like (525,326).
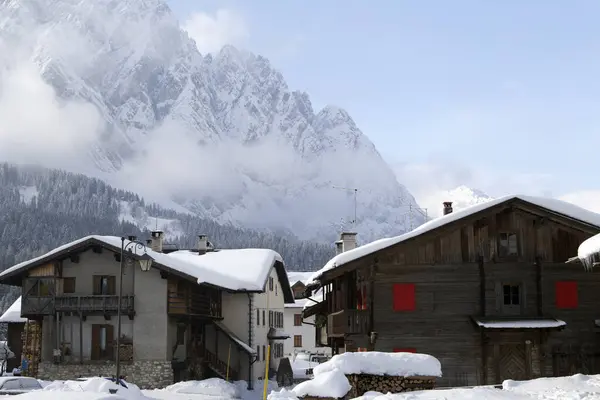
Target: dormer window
(508,244)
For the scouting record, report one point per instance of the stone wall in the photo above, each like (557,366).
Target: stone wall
(145,374)
(387,384)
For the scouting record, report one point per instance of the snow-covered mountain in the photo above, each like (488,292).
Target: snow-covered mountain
(461,197)
(223,135)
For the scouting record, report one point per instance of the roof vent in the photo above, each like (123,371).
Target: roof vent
(447,207)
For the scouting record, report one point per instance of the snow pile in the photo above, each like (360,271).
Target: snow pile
(13,314)
(380,363)
(331,383)
(554,205)
(370,396)
(207,387)
(568,387)
(95,386)
(283,394)
(589,251)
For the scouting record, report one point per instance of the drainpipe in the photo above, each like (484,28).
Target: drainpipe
(250,333)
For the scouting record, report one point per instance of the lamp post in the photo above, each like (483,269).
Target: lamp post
(145,263)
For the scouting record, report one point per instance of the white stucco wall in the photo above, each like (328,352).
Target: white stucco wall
(305,330)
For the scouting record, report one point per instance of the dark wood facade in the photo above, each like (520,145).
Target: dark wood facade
(489,295)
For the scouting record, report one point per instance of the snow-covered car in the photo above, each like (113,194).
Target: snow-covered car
(18,385)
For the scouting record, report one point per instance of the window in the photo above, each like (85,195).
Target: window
(102,338)
(566,295)
(44,289)
(263,317)
(297,340)
(276,289)
(297,319)
(264,353)
(180,288)
(508,245)
(104,285)
(270,319)
(12,384)
(257,353)
(511,295)
(257,316)
(404,297)
(68,285)
(271,283)
(404,350)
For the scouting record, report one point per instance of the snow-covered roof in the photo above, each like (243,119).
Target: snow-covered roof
(298,276)
(553,205)
(521,323)
(236,270)
(13,314)
(589,252)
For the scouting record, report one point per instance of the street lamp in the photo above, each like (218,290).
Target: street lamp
(145,263)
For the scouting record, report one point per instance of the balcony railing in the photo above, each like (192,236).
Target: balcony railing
(101,304)
(200,304)
(347,322)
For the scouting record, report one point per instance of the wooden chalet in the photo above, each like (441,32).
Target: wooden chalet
(486,290)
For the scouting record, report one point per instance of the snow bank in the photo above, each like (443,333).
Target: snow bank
(41,395)
(588,252)
(379,363)
(207,387)
(557,206)
(331,383)
(92,387)
(284,394)
(565,387)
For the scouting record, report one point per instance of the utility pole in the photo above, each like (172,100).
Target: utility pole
(355,190)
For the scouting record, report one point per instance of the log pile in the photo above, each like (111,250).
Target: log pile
(387,384)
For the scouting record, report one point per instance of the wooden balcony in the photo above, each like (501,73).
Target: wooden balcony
(96,304)
(347,322)
(203,303)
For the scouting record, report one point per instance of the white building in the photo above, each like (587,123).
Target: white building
(301,332)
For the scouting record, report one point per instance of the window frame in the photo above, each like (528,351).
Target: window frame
(297,319)
(508,255)
(297,341)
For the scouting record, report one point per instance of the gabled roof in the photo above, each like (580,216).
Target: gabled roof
(561,208)
(13,314)
(240,270)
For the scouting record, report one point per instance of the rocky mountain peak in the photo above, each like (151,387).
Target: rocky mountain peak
(159,98)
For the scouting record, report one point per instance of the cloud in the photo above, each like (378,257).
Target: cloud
(35,124)
(212,32)
(436,180)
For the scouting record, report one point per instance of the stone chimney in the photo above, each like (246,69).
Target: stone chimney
(447,207)
(348,240)
(338,247)
(156,242)
(202,244)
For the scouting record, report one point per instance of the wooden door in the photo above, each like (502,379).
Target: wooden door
(512,362)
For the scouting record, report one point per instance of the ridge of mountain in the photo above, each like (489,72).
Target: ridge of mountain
(222,135)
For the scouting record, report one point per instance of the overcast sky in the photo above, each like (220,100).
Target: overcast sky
(500,96)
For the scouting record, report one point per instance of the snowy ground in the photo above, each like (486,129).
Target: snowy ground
(577,387)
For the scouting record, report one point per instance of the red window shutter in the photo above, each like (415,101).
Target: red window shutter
(566,294)
(404,297)
(407,350)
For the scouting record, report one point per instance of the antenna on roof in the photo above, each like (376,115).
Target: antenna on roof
(355,190)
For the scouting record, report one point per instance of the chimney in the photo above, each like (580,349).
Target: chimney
(447,207)
(348,240)
(131,238)
(148,242)
(338,247)
(202,244)
(157,241)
